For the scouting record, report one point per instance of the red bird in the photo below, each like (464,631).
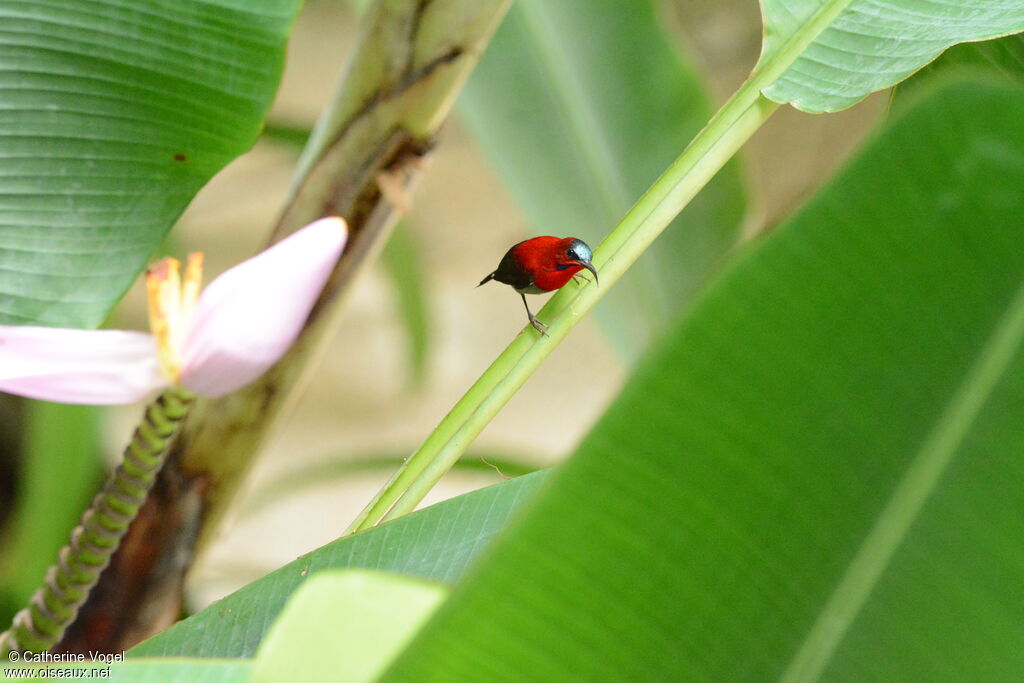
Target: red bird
(542,264)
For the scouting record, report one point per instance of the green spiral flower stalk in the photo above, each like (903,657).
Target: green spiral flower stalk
(40,625)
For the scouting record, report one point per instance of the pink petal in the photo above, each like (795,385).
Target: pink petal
(249,316)
(98,367)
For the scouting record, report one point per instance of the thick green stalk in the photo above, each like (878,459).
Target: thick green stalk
(53,607)
(740,117)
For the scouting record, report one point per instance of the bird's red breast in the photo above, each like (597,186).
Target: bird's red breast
(543,259)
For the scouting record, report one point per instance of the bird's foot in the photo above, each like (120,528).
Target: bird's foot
(538,325)
(579,276)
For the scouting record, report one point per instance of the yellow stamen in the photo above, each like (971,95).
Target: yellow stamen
(191,284)
(171,302)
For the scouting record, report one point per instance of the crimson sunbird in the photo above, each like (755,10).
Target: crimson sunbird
(542,264)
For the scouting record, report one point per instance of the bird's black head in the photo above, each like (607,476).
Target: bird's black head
(579,253)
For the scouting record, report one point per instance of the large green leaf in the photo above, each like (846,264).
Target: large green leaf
(338,626)
(1001,60)
(818,472)
(114,114)
(580,105)
(345,625)
(436,543)
(860,46)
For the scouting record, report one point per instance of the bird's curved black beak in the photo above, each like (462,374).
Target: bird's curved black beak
(589,266)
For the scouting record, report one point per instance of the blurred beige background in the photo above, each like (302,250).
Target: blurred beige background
(360,402)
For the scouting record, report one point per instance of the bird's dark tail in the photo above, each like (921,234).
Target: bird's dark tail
(488,278)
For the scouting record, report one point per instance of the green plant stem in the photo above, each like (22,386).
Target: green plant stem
(53,607)
(738,119)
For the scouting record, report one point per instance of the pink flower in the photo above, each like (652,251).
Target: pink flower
(212,344)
